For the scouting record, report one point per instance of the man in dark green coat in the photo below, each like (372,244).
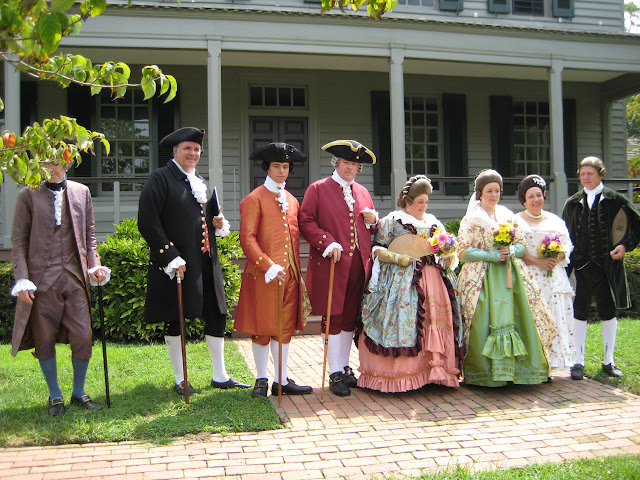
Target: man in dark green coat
(603,225)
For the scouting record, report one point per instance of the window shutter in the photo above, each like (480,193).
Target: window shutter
(501,117)
(80,105)
(451,5)
(381,129)
(570,142)
(562,8)
(167,119)
(499,6)
(28,104)
(454,125)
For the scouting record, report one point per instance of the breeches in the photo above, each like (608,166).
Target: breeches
(290,299)
(64,305)
(215,322)
(352,300)
(591,281)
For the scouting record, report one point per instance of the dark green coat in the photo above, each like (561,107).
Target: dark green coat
(618,219)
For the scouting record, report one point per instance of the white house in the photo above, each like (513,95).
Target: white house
(441,87)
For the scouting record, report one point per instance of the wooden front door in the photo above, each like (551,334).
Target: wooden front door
(292,130)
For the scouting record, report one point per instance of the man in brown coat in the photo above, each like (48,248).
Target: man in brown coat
(54,257)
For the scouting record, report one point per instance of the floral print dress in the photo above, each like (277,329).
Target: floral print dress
(407,335)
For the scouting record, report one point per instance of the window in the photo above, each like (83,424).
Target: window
(528,7)
(416,3)
(531,138)
(272,96)
(126,122)
(422,135)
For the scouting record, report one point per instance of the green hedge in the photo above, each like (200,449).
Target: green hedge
(127,255)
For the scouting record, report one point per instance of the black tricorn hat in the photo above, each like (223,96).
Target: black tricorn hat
(351,151)
(185,134)
(278,152)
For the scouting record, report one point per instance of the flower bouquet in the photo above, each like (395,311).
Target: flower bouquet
(551,247)
(443,246)
(504,236)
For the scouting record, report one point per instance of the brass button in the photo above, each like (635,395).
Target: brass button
(204,233)
(320,242)
(203,240)
(351,254)
(171,243)
(259,258)
(161,251)
(166,246)
(351,214)
(202,249)
(324,236)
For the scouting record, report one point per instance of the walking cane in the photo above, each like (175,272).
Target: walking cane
(183,336)
(279,342)
(104,347)
(326,336)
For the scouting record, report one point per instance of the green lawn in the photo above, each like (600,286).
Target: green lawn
(143,403)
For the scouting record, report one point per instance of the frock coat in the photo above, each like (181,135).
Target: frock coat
(173,223)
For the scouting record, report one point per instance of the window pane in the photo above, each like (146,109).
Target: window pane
(141,129)
(108,166)
(417,103)
(125,130)
(418,135)
(285,97)
(299,97)
(432,119)
(142,113)
(431,104)
(270,98)
(432,135)
(108,112)
(142,149)
(125,114)
(125,166)
(255,95)
(417,119)
(432,152)
(418,151)
(141,166)
(108,127)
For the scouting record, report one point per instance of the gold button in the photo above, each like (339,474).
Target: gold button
(318,263)
(166,246)
(259,258)
(257,262)
(352,234)
(204,233)
(204,219)
(203,240)
(150,263)
(171,243)
(351,227)
(324,236)
(351,214)
(350,254)
(161,251)
(284,217)
(320,242)
(202,249)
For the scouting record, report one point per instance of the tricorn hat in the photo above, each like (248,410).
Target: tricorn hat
(185,134)
(278,152)
(351,151)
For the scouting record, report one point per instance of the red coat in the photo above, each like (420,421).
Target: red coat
(264,237)
(325,218)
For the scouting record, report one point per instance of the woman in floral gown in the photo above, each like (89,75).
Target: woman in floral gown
(508,329)
(409,325)
(549,273)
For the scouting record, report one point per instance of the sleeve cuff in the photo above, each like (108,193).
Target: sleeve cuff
(273,271)
(330,248)
(175,263)
(22,285)
(107,272)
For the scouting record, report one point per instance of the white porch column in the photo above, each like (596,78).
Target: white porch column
(559,190)
(9,192)
(396,92)
(214,115)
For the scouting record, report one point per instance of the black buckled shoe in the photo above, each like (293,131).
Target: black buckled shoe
(261,387)
(612,370)
(231,383)
(56,407)
(577,371)
(180,388)
(291,388)
(337,385)
(349,378)
(85,402)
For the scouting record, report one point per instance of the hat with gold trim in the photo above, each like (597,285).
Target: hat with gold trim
(278,152)
(184,134)
(351,151)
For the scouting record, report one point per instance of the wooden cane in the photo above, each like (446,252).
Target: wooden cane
(279,342)
(183,337)
(104,347)
(326,336)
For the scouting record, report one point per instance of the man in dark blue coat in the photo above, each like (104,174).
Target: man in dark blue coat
(176,216)
(603,225)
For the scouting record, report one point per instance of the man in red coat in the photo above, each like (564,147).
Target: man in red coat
(337,218)
(271,242)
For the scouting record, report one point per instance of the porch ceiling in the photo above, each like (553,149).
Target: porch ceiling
(341,62)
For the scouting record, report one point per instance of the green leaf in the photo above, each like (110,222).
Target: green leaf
(149,88)
(61,5)
(173,90)
(98,6)
(1,105)
(49,30)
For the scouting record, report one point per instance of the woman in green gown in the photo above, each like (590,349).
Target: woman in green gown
(508,328)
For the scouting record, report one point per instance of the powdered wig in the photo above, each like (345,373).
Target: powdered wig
(335,161)
(485,177)
(530,182)
(594,162)
(414,187)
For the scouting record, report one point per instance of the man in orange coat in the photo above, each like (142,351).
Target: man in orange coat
(271,242)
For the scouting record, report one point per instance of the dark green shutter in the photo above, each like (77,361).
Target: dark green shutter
(499,6)
(562,8)
(28,104)
(167,120)
(501,114)
(570,142)
(454,123)
(80,105)
(381,129)
(451,5)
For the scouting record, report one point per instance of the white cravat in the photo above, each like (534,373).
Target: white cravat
(346,189)
(278,188)
(198,188)
(591,194)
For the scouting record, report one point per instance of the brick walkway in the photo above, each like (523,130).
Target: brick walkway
(369,433)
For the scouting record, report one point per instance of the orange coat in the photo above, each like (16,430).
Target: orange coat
(265,231)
